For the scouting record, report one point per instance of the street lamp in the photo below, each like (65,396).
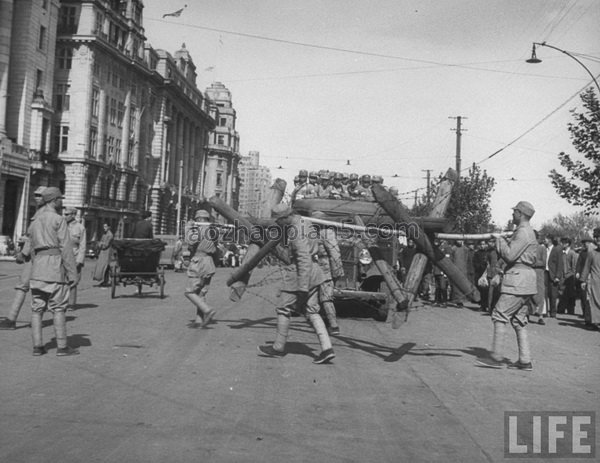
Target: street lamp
(535,60)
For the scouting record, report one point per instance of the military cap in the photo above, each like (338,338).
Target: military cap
(70,210)
(394,190)
(296,179)
(338,176)
(280,211)
(365,178)
(50,194)
(525,207)
(324,175)
(201,214)
(313,174)
(39,191)
(377,179)
(345,176)
(303,173)
(353,177)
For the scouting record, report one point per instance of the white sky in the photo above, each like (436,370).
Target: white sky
(385,102)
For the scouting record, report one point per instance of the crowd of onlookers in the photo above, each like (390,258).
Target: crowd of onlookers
(558,266)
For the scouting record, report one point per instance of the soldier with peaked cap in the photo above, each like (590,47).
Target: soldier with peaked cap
(364,189)
(301,190)
(23,256)
(353,187)
(202,243)
(336,190)
(79,240)
(313,187)
(590,281)
(518,287)
(53,271)
(301,281)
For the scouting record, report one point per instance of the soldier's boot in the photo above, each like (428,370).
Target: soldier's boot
(72,297)
(60,329)
(523,344)
(283,328)
(36,329)
(319,326)
(18,301)
(331,315)
(498,341)
(204,313)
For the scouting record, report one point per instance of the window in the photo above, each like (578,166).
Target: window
(95,102)
(67,21)
(64,58)
(45,4)
(39,79)
(97,69)
(220,139)
(115,80)
(61,97)
(61,139)
(219,179)
(112,114)
(93,142)
(110,146)
(223,121)
(42,38)
(120,113)
(99,25)
(118,150)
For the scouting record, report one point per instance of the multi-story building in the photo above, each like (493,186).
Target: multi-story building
(255,184)
(27,45)
(221,170)
(126,117)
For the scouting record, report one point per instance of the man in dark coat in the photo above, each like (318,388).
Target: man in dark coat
(554,273)
(143,228)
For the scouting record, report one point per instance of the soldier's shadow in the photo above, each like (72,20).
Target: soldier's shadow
(297,348)
(74,340)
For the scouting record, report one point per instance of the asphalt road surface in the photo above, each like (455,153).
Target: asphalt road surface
(146,388)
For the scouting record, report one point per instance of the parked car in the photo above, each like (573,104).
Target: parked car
(7,246)
(92,250)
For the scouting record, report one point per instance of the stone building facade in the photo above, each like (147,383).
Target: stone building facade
(126,117)
(255,182)
(27,47)
(221,170)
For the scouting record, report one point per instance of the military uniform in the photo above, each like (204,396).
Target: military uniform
(203,242)
(78,238)
(300,288)
(53,270)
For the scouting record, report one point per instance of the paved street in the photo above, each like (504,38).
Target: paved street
(148,389)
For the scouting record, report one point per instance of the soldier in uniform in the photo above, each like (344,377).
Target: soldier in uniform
(519,285)
(53,270)
(78,238)
(23,256)
(324,182)
(203,243)
(336,190)
(300,191)
(377,180)
(330,261)
(345,179)
(301,281)
(314,188)
(353,186)
(364,189)
(296,182)
(394,191)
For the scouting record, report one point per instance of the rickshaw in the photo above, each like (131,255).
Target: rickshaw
(138,264)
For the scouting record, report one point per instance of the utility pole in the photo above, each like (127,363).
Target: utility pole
(179,197)
(458,131)
(428,171)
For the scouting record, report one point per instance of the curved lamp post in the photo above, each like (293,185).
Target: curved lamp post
(534,60)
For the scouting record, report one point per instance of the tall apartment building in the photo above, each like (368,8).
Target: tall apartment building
(221,170)
(27,46)
(255,184)
(127,117)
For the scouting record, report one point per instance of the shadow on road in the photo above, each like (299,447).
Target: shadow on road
(75,341)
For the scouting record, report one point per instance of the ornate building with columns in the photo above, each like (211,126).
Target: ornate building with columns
(130,125)
(27,46)
(221,171)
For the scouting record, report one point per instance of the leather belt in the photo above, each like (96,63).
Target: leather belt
(47,252)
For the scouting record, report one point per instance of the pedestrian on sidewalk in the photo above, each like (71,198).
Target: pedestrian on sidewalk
(301,281)
(590,280)
(539,299)
(53,271)
(78,238)
(201,268)
(101,272)
(22,257)
(518,286)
